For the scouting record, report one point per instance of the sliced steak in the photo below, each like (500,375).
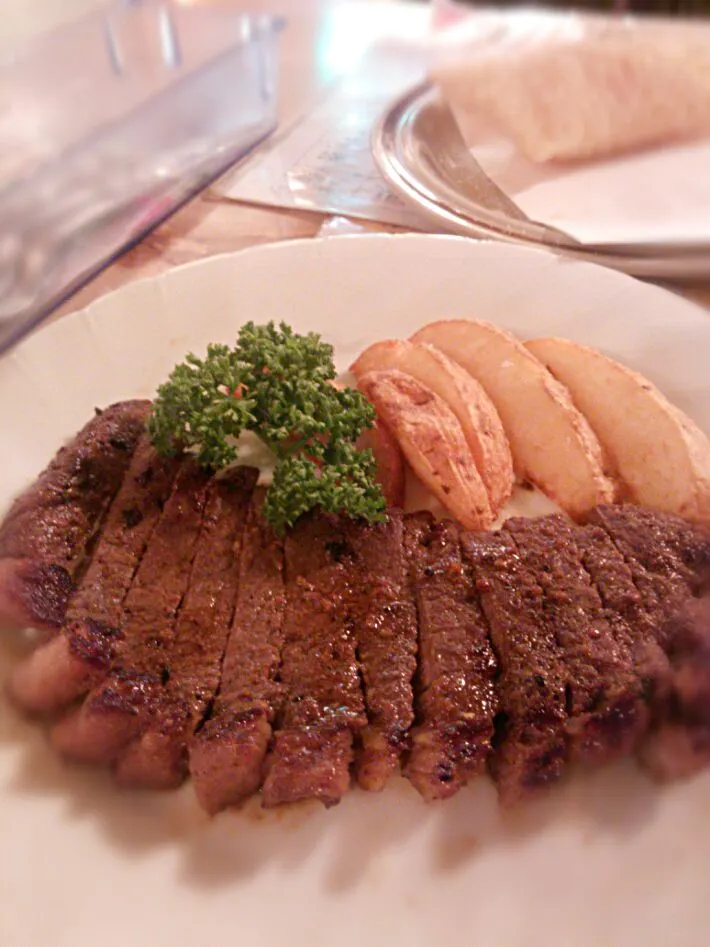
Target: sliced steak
(666,553)
(688,632)
(679,745)
(324,705)
(116,711)
(384,624)
(33,594)
(455,701)
(634,622)
(664,543)
(51,524)
(669,558)
(158,759)
(227,754)
(604,695)
(80,656)
(84,474)
(530,740)
(640,597)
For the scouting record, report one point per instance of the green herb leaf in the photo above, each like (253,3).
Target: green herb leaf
(202,407)
(347,485)
(278,385)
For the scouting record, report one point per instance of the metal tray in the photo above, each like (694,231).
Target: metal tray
(419,150)
(93,156)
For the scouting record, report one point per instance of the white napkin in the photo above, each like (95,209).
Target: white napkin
(512,76)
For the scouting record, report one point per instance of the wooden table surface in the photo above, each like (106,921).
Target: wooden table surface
(210,225)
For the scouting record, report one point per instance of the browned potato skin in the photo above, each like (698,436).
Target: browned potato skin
(473,408)
(661,456)
(389,459)
(552,444)
(433,443)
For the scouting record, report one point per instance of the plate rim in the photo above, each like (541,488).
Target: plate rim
(281,246)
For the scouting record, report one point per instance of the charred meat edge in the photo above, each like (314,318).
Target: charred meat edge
(47,534)
(604,696)
(383,621)
(158,758)
(227,754)
(455,700)
(529,745)
(117,710)
(324,705)
(80,656)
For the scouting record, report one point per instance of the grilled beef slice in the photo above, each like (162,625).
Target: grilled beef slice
(666,554)
(665,544)
(604,695)
(33,594)
(323,705)
(672,564)
(80,479)
(529,747)
(634,623)
(80,655)
(44,537)
(384,624)
(664,574)
(116,711)
(227,754)
(158,758)
(679,744)
(670,560)
(455,701)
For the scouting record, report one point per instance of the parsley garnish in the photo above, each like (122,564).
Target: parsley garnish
(278,385)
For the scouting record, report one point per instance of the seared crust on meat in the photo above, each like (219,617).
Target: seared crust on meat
(33,594)
(46,536)
(384,624)
(158,758)
(324,706)
(227,754)
(530,747)
(456,699)
(290,665)
(117,710)
(53,519)
(603,694)
(64,668)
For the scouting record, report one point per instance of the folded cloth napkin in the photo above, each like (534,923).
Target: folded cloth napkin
(568,87)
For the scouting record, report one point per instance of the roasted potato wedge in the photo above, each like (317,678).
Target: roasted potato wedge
(661,456)
(418,497)
(433,443)
(389,459)
(476,414)
(552,444)
(388,455)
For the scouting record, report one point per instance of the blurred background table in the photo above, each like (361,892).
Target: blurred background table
(321,36)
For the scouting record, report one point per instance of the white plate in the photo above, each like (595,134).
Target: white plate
(606,859)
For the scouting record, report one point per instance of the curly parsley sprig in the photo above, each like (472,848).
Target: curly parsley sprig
(278,385)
